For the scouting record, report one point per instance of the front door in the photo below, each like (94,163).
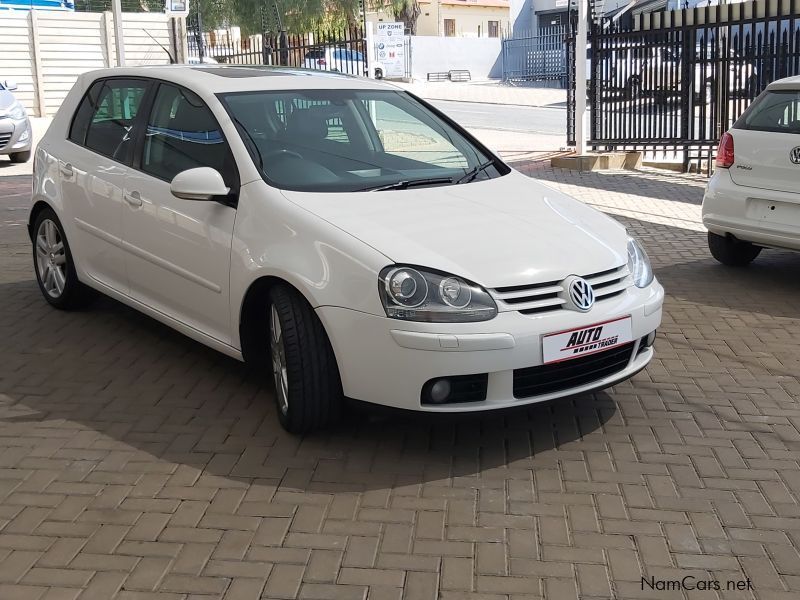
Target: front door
(92,172)
(177,252)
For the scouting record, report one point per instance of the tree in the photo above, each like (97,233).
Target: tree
(406,11)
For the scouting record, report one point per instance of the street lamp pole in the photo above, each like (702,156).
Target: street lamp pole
(119,36)
(580,77)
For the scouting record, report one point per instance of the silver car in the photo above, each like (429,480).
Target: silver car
(16,135)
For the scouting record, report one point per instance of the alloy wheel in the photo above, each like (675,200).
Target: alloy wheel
(51,258)
(278,353)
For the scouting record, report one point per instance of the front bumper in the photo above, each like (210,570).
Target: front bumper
(387,361)
(745,213)
(15,135)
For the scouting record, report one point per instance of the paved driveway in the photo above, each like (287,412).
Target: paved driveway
(137,464)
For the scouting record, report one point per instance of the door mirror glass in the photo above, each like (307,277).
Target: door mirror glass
(10,85)
(201,183)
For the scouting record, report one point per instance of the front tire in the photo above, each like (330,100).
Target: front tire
(20,157)
(732,252)
(54,265)
(308,390)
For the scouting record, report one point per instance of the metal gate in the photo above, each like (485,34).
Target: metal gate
(332,49)
(540,57)
(675,81)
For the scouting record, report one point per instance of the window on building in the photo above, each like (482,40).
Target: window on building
(494,28)
(450,27)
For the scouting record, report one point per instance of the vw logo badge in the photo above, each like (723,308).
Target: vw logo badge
(794,155)
(581,294)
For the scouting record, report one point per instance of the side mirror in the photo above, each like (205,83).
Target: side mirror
(202,183)
(10,85)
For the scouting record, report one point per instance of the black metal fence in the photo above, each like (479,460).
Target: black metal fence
(536,57)
(342,50)
(676,81)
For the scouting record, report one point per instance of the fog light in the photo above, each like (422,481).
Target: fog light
(439,391)
(25,135)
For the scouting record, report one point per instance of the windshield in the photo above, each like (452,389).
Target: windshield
(353,140)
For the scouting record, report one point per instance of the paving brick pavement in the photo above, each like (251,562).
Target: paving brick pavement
(136,464)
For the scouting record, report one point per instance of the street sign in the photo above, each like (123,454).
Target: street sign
(390,48)
(177,8)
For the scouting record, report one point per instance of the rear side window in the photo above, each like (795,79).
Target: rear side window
(104,120)
(776,110)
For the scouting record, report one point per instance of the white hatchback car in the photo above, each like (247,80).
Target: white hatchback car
(753,199)
(340,231)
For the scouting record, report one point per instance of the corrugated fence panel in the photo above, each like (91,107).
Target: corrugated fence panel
(69,44)
(16,56)
(143,34)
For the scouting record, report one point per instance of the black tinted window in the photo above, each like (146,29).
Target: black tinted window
(776,110)
(104,120)
(182,134)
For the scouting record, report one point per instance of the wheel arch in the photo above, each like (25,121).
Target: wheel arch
(253,318)
(38,206)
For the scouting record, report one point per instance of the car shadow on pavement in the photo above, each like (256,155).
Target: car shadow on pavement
(108,381)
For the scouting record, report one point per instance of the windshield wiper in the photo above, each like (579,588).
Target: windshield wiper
(471,175)
(407,183)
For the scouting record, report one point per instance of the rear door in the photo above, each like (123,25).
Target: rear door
(93,165)
(767,143)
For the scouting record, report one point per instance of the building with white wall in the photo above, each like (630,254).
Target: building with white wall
(457,18)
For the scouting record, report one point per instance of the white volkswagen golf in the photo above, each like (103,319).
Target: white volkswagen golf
(753,199)
(340,231)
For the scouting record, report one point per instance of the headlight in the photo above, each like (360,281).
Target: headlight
(639,264)
(17,112)
(414,294)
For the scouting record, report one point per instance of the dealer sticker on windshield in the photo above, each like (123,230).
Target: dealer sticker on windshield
(574,343)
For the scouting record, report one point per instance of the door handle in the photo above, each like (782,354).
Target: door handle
(133,198)
(67,170)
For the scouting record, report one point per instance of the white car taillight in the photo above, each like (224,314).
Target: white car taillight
(725,152)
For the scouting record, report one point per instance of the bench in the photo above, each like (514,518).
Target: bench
(459,75)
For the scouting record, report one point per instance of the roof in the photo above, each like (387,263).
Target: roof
(214,79)
(788,83)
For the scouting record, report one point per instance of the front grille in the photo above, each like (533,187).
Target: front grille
(4,138)
(547,379)
(546,297)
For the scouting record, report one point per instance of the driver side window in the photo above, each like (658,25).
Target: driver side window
(182,134)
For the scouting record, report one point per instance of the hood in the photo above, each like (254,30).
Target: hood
(506,231)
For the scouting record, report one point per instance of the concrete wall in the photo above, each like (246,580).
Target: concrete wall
(45,51)
(481,57)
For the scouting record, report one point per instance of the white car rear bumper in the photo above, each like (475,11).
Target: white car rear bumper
(388,361)
(748,213)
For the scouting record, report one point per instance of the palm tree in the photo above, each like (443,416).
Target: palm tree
(406,11)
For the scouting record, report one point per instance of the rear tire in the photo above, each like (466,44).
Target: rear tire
(732,252)
(20,157)
(308,390)
(54,265)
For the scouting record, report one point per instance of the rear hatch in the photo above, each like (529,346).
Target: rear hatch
(767,143)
